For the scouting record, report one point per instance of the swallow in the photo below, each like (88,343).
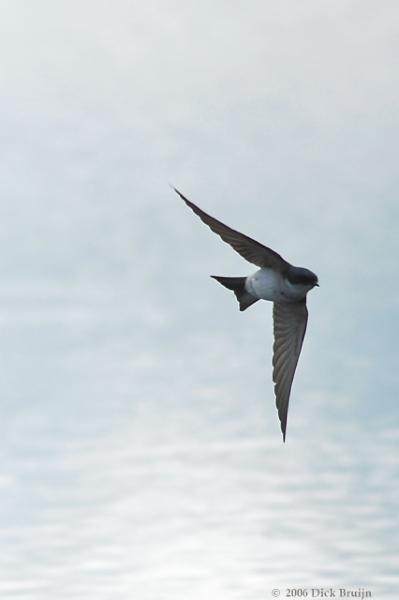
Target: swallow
(279,282)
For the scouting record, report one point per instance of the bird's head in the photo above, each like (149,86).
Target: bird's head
(303,277)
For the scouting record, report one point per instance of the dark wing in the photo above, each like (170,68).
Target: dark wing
(289,322)
(249,249)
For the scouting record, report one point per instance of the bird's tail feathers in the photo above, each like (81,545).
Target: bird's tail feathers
(237,284)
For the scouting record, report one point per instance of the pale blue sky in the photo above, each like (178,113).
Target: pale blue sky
(281,119)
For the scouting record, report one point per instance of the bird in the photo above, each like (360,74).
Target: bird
(277,281)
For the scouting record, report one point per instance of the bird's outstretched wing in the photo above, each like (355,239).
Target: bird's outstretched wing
(289,322)
(248,248)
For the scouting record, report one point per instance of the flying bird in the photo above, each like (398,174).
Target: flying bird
(279,282)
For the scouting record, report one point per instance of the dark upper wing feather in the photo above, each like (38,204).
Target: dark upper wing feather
(248,248)
(289,322)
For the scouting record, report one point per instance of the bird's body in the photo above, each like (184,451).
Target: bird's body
(268,284)
(279,282)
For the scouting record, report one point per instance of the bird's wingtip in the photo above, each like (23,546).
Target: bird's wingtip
(176,190)
(182,196)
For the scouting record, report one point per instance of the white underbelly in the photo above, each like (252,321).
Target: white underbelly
(266,284)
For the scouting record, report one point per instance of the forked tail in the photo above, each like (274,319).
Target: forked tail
(237,284)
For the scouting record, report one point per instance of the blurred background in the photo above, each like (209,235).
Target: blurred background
(141,454)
